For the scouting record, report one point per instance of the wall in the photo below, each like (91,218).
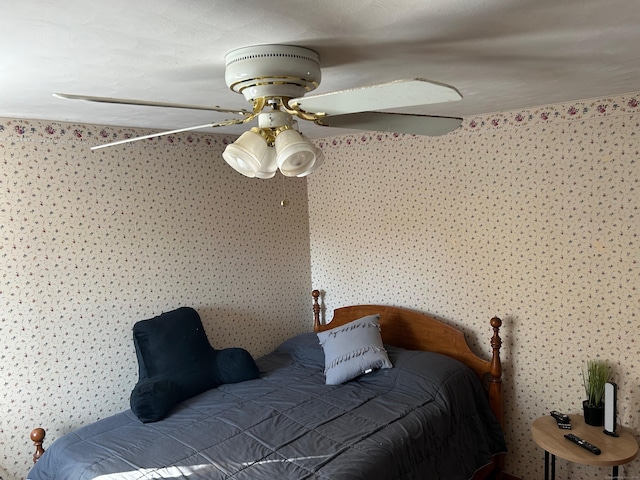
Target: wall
(531,215)
(94,241)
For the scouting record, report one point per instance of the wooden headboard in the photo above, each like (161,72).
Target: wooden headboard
(419,331)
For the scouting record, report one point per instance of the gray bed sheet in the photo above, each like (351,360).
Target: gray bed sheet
(426,418)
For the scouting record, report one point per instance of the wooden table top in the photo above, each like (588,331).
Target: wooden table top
(615,450)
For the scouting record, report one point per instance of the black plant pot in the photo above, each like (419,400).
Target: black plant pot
(593,415)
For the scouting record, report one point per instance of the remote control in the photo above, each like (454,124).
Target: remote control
(583,443)
(560,417)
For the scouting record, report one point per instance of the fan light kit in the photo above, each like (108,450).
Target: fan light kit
(275,79)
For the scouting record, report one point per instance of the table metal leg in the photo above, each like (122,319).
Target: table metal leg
(615,473)
(546,465)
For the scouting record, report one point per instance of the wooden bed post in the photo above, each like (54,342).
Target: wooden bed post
(495,390)
(495,385)
(316,310)
(37,437)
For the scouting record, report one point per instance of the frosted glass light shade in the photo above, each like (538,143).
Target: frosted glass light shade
(247,154)
(268,166)
(295,155)
(319,159)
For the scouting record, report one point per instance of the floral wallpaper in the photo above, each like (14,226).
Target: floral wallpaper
(530,215)
(92,242)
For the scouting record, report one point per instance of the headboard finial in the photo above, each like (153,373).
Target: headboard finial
(37,437)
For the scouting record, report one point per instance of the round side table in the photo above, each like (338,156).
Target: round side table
(615,450)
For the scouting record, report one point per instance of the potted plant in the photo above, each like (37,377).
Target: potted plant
(595,373)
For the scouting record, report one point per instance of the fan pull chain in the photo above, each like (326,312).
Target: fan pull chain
(284,202)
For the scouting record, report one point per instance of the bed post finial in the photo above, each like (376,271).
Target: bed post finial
(316,310)
(37,437)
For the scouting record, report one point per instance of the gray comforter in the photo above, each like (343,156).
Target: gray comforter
(426,418)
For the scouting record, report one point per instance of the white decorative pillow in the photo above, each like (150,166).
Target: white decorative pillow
(353,349)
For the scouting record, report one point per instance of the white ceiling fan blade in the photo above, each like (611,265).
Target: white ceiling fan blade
(145,103)
(170,132)
(397,94)
(393,122)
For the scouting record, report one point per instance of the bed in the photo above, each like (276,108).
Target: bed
(436,413)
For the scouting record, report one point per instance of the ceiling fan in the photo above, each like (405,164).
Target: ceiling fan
(275,80)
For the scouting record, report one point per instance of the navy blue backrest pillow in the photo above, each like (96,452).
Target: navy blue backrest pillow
(176,362)
(173,341)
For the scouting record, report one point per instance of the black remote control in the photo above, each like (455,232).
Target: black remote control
(560,417)
(563,420)
(583,443)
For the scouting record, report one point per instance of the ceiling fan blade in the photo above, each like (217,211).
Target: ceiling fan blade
(145,103)
(170,132)
(397,94)
(393,122)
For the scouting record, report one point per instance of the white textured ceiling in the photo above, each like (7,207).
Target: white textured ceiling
(500,54)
